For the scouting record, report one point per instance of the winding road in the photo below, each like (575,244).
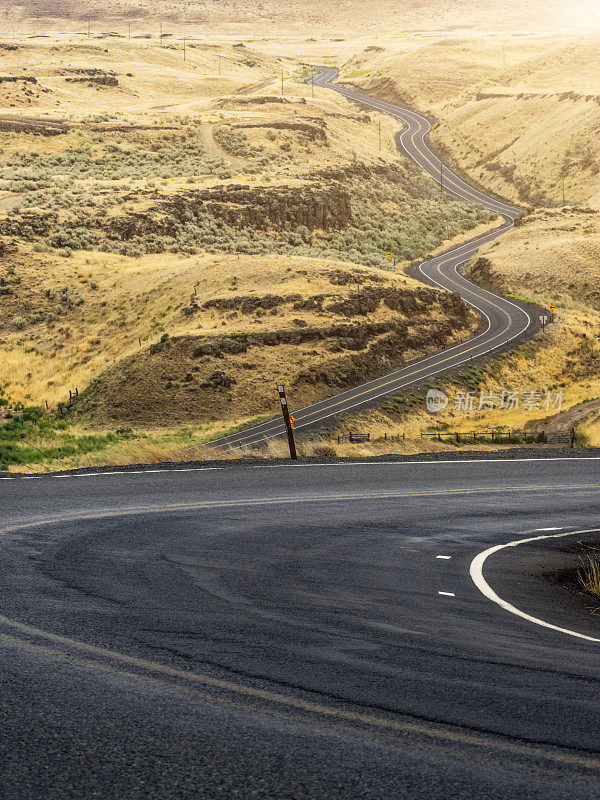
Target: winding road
(343,631)
(506,322)
(365,630)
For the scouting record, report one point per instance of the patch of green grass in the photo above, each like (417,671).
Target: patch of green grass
(357,73)
(29,435)
(305,75)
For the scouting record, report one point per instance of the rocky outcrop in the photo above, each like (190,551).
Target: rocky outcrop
(404,301)
(324,208)
(482,273)
(15,78)
(246,304)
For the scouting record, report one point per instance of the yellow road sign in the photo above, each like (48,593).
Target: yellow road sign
(389,256)
(292,420)
(552,309)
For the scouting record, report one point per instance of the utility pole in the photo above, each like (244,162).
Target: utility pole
(289,422)
(184,48)
(282,90)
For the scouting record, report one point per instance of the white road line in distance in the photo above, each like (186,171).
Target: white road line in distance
(18,476)
(447,594)
(444,557)
(476,572)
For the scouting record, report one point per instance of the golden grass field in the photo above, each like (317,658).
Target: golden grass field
(553,258)
(519,113)
(518,106)
(123,303)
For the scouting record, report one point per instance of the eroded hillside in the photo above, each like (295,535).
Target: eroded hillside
(217,225)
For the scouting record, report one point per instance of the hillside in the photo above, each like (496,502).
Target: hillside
(321,326)
(119,227)
(519,114)
(551,258)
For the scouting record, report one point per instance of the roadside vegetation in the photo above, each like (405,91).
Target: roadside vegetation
(141,193)
(217,207)
(589,576)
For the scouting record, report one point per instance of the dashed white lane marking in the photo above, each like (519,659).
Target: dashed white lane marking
(445,557)
(549,529)
(447,594)
(476,573)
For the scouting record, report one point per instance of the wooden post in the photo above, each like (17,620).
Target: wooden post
(288,422)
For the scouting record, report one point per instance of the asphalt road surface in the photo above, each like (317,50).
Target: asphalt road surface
(301,631)
(505,322)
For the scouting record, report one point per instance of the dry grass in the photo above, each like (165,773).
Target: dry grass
(129,302)
(551,259)
(171,446)
(138,299)
(589,576)
(554,256)
(517,112)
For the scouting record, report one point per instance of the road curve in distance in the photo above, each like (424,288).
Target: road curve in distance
(505,321)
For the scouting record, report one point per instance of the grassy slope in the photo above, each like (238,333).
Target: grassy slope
(551,258)
(79,291)
(516,112)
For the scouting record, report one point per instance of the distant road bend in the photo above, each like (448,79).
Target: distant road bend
(506,321)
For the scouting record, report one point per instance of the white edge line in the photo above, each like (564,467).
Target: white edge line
(440,462)
(447,594)
(18,477)
(476,572)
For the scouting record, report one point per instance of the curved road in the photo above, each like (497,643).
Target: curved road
(307,631)
(505,321)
